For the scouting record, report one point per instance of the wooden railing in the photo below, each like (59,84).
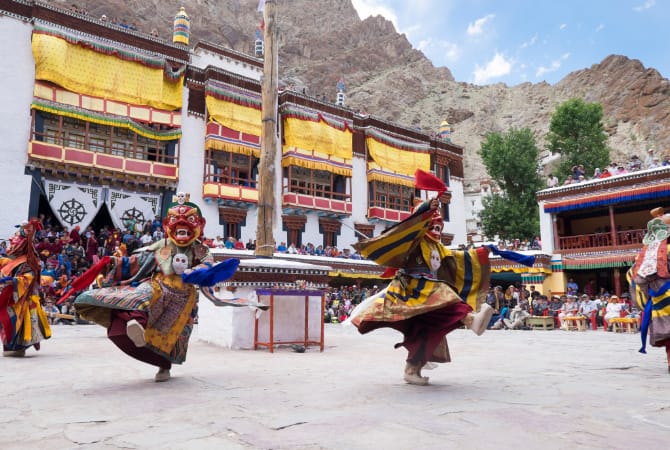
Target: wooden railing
(600,240)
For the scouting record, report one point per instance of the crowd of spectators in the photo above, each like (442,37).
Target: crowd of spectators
(305,249)
(514,305)
(578,174)
(67,253)
(340,301)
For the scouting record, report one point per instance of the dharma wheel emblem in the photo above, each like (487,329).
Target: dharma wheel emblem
(72,211)
(133,214)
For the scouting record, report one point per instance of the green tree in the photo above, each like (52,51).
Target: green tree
(576,132)
(511,160)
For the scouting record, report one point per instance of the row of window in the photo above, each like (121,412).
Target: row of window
(123,142)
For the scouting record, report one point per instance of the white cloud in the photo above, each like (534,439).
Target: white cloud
(449,50)
(600,27)
(367,8)
(648,4)
(553,67)
(477,27)
(563,26)
(530,42)
(498,66)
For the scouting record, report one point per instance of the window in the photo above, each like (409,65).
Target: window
(123,142)
(97,144)
(392,196)
(230,168)
(118,148)
(317,183)
(74,140)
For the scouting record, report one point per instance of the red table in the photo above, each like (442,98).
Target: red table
(273,297)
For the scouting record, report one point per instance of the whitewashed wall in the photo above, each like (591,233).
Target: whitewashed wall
(17,73)
(203,58)
(191,163)
(546,230)
(456,223)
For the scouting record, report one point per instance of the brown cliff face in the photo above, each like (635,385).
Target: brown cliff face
(322,41)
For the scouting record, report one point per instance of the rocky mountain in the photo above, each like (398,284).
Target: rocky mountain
(321,41)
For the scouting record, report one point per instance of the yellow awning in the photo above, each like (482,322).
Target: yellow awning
(393,159)
(375,173)
(82,70)
(234,116)
(312,160)
(318,136)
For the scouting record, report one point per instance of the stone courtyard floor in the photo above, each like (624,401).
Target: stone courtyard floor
(503,390)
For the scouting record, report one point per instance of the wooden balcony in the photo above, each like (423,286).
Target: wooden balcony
(304,202)
(601,241)
(230,192)
(66,156)
(386,214)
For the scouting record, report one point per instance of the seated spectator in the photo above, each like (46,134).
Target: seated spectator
(518,316)
(218,242)
(569,309)
(666,160)
(281,248)
(587,307)
(146,238)
(239,245)
(555,305)
(540,306)
(612,310)
(51,310)
(230,243)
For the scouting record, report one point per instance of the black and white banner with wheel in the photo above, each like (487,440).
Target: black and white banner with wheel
(131,209)
(75,204)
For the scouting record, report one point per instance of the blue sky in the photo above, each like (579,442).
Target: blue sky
(514,41)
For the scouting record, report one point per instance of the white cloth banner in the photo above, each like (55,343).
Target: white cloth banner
(74,204)
(131,208)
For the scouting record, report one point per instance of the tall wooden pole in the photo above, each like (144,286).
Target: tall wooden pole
(265,243)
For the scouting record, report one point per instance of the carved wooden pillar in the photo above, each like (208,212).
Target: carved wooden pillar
(612,227)
(617,282)
(295,226)
(329,228)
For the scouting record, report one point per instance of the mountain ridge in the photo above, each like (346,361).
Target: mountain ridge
(323,41)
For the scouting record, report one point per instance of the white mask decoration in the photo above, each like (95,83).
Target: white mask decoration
(434,260)
(181,197)
(179,263)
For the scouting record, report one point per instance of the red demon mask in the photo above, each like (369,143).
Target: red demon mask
(183,224)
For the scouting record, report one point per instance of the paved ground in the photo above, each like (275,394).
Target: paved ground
(505,389)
